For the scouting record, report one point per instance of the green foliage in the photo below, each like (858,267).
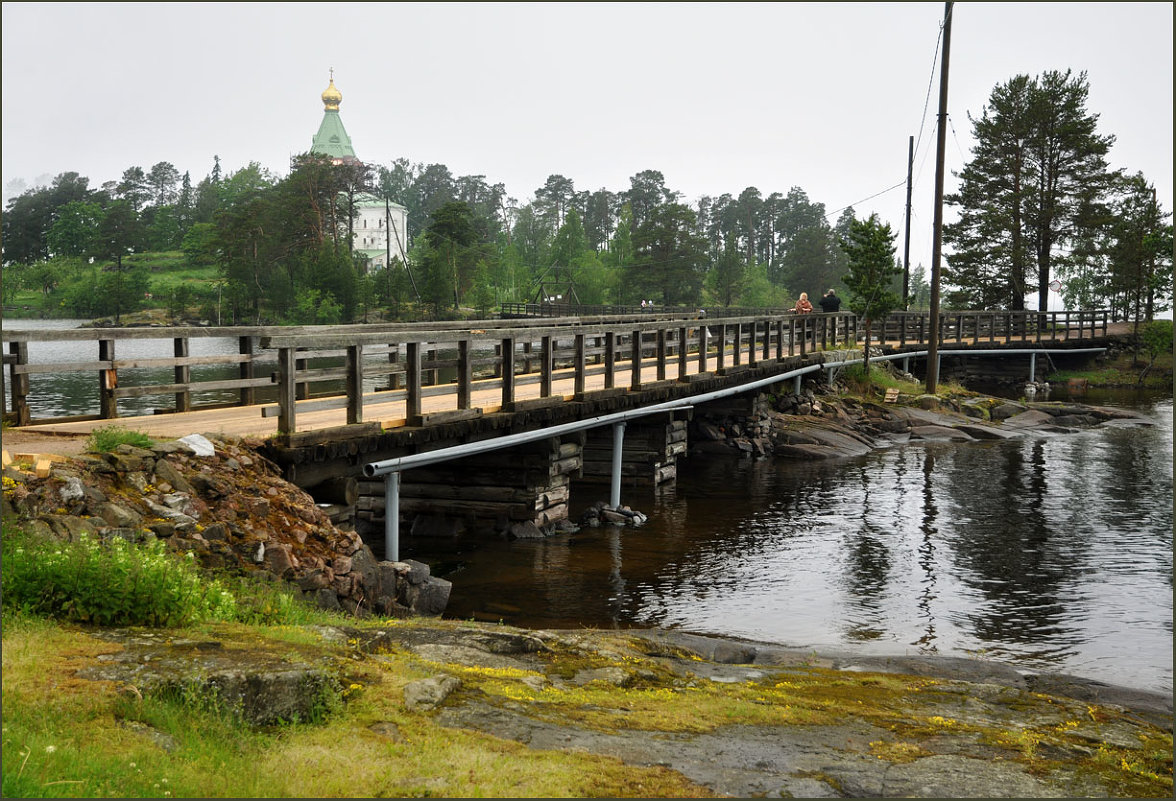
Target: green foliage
(1038,179)
(314,307)
(670,257)
(870,249)
(113,583)
(1157,337)
(99,292)
(108,438)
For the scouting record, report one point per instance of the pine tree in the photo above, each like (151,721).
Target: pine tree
(869,246)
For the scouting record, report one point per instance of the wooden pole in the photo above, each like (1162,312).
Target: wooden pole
(936,248)
(906,249)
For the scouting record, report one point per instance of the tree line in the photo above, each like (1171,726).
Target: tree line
(1037,203)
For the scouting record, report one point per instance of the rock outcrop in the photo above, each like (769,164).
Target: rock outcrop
(231,510)
(815,426)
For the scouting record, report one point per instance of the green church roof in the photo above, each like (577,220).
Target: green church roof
(332,139)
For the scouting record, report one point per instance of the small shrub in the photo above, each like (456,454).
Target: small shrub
(108,438)
(113,583)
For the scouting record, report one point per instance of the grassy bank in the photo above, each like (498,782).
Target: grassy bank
(65,735)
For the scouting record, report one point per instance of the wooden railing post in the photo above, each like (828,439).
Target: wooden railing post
(703,345)
(721,349)
(287,365)
(508,371)
(610,362)
(661,354)
(545,366)
(107,381)
(245,370)
(683,352)
(354,387)
(465,374)
(183,375)
(580,365)
(413,381)
(20,383)
(635,367)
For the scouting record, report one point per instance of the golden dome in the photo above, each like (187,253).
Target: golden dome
(332,97)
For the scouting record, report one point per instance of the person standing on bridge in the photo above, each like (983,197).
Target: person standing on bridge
(802,305)
(830,303)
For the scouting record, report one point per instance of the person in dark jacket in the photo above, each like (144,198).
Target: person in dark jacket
(830,303)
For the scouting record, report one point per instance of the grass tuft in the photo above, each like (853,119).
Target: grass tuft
(108,438)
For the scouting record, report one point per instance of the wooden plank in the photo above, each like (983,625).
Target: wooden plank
(62,367)
(197,386)
(179,361)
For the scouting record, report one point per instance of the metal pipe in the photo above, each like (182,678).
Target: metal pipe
(372,469)
(1032,367)
(614,498)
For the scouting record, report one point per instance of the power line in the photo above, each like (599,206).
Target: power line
(922,124)
(871,197)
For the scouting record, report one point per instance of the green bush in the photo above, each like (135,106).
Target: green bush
(108,438)
(113,583)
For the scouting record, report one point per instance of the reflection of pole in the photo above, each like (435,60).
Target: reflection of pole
(936,247)
(906,250)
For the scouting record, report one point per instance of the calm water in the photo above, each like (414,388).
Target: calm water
(1051,553)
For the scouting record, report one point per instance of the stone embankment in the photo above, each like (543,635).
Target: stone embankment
(230,508)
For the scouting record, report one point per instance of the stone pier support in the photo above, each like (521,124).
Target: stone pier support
(518,492)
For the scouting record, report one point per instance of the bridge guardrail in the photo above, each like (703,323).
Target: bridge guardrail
(419,360)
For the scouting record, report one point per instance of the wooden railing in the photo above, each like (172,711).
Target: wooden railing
(975,327)
(277,366)
(501,358)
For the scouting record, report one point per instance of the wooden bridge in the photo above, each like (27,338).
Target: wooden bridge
(330,399)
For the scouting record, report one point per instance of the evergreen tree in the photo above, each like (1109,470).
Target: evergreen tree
(670,258)
(1038,170)
(872,268)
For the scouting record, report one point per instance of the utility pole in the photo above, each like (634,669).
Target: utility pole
(906,249)
(937,245)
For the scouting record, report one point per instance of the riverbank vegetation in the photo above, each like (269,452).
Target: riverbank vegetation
(1147,365)
(252,247)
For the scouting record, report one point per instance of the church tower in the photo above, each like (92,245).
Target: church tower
(379,229)
(332,139)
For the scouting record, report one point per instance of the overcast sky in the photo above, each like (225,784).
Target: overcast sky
(715,96)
